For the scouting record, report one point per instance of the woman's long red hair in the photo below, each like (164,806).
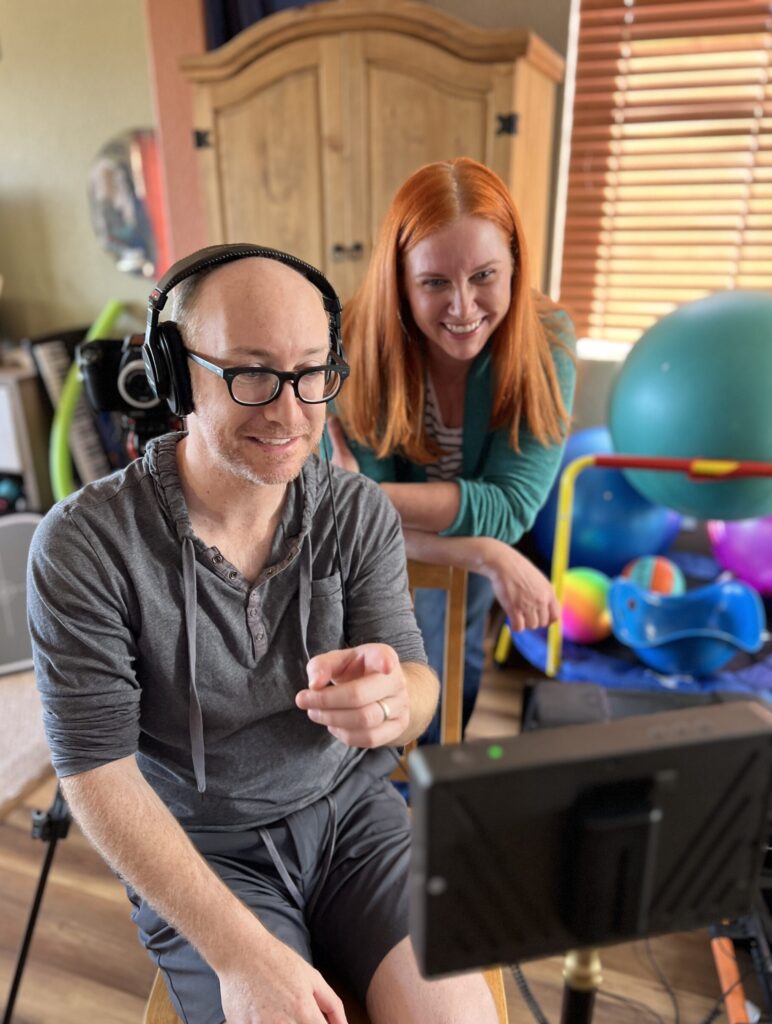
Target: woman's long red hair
(382,404)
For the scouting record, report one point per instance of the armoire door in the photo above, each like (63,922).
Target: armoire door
(273,152)
(415,103)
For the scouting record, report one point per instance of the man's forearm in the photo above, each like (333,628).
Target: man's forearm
(424,689)
(140,839)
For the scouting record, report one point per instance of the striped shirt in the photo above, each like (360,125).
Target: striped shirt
(450,439)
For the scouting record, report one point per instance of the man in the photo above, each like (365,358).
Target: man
(219,707)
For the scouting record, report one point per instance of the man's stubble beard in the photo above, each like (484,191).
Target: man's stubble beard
(231,455)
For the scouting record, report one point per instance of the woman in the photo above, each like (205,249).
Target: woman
(461,386)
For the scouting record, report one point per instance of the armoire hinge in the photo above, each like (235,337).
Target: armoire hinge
(507,124)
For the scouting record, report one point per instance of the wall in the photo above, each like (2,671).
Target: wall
(547,18)
(72,75)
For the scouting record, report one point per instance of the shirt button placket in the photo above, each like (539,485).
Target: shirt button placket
(254,618)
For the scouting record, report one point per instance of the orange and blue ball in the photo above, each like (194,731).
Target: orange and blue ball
(653,572)
(585,616)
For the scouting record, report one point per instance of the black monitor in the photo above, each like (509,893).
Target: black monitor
(586,835)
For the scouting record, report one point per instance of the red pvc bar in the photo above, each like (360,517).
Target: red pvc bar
(697,469)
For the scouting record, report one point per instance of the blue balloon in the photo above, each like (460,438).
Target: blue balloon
(612,523)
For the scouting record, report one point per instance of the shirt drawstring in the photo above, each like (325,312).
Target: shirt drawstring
(195,718)
(304,586)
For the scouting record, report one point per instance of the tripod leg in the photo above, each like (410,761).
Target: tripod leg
(51,826)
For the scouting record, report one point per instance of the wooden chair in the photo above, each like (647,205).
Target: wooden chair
(421,575)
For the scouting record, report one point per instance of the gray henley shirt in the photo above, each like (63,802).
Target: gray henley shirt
(146,641)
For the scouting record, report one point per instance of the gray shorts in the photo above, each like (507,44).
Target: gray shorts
(347,911)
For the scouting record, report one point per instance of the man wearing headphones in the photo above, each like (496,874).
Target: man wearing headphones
(226,653)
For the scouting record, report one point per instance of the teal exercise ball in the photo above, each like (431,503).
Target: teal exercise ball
(697,385)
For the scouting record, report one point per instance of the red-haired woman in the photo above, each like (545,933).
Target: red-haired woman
(460,393)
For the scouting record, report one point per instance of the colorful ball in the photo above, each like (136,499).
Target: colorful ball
(653,572)
(744,547)
(585,616)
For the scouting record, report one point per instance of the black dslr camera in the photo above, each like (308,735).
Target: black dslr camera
(114,381)
(114,375)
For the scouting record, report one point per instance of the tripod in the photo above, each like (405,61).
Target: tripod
(50,826)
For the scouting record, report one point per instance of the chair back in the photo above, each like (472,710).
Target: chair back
(453,582)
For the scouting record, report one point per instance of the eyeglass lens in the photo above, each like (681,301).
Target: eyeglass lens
(254,387)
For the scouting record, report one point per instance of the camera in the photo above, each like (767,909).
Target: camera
(114,381)
(114,375)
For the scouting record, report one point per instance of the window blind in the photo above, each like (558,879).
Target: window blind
(670,175)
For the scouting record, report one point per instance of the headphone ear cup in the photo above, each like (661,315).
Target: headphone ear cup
(173,373)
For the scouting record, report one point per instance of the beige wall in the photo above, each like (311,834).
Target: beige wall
(547,18)
(73,73)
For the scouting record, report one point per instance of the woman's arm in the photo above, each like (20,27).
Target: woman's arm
(525,594)
(432,507)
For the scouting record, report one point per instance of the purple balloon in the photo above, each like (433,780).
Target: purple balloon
(744,547)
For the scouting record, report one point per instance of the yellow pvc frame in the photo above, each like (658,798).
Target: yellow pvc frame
(560,551)
(562,543)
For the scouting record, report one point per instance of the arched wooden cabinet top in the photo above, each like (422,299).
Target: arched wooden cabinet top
(307,122)
(411,19)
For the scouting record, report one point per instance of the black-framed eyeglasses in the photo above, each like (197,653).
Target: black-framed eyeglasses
(258,385)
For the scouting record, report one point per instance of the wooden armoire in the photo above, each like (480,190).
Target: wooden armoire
(308,122)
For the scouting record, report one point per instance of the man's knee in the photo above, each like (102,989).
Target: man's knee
(399,994)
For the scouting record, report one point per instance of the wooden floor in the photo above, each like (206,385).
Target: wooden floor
(86,964)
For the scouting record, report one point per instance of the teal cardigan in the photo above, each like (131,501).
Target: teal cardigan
(501,489)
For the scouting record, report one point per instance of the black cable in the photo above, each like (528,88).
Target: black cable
(664,981)
(602,993)
(528,997)
(718,1009)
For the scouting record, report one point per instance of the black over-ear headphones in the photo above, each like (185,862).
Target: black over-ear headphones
(163,352)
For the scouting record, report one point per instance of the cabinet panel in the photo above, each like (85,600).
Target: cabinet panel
(265,171)
(422,104)
(270,166)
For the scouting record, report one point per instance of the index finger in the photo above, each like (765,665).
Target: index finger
(326,668)
(356,693)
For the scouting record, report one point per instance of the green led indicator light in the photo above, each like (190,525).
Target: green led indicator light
(495,752)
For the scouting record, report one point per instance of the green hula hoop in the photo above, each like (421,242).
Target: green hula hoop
(59,459)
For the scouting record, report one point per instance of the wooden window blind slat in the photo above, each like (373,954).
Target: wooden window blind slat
(670,176)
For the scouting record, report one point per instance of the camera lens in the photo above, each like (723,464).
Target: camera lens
(134,387)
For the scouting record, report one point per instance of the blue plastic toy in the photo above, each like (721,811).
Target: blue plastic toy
(695,633)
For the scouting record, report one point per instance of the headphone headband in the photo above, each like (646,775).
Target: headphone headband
(213,255)
(163,352)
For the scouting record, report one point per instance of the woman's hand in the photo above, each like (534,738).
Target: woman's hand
(341,453)
(525,593)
